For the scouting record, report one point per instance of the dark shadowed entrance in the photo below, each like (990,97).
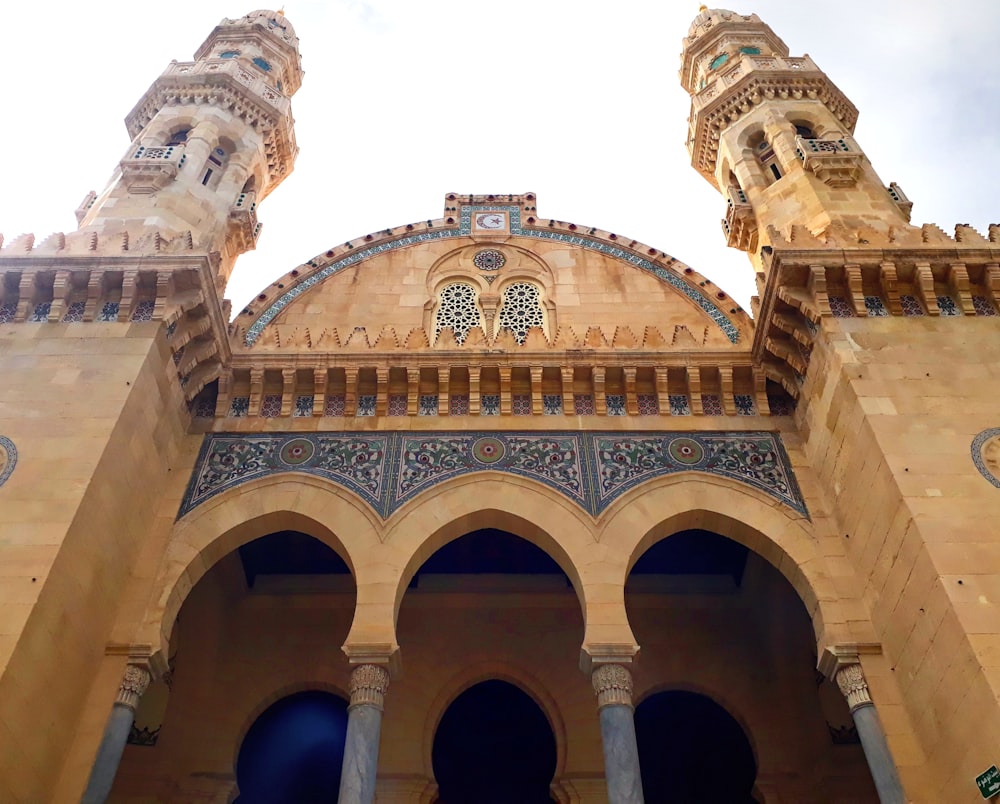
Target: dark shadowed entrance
(494,745)
(692,751)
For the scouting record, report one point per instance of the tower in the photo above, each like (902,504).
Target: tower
(210,139)
(773,133)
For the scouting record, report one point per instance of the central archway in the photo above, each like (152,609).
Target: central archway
(494,745)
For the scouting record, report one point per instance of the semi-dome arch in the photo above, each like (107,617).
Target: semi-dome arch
(401,257)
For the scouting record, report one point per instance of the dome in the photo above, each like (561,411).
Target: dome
(709,17)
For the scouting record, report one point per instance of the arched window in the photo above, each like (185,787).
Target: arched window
(179,137)
(764,154)
(215,165)
(521,309)
(718,61)
(804,131)
(458,308)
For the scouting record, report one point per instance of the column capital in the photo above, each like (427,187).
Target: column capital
(613,685)
(134,683)
(851,680)
(368,686)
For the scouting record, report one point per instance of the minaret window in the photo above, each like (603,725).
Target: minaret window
(767,160)
(229,54)
(805,132)
(178,137)
(216,163)
(458,308)
(750,51)
(718,61)
(262,63)
(521,309)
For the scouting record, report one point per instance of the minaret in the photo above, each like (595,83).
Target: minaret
(210,139)
(773,134)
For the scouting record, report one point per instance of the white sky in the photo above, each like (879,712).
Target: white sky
(575,100)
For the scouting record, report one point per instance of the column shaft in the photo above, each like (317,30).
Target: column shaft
(109,754)
(880,762)
(369,683)
(613,685)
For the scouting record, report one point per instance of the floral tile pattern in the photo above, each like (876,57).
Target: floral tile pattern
(459,405)
(397,405)
(74,313)
(840,308)
(780,405)
(303,406)
(143,311)
(649,405)
(583,405)
(109,312)
(489,405)
(270,406)
(947,306)
(335,405)
(205,409)
(428,405)
(239,406)
(983,306)
(744,405)
(521,404)
(911,305)
(615,404)
(679,405)
(366,405)
(875,307)
(7,313)
(552,404)
(41,312)
(711,405)
(591,469)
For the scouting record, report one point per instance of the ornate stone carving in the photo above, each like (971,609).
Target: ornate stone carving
(369,684)
(851,680)
(985,455)
(613,685)
(134,684)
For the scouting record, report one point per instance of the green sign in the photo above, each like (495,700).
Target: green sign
(989,782)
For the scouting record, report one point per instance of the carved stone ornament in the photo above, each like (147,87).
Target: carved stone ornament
(613,685)
(369,684)
(134,684)
(851,680)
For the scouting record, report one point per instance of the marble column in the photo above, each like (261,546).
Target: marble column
(851,680)
(613,685)
(109,754)
(369,684)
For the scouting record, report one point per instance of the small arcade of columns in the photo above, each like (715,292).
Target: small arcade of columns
(438,623)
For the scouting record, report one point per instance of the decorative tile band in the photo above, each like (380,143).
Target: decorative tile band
(985,455)
(8,458)
(591,469)
(464,230)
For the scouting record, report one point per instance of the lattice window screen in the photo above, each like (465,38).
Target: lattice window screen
(521,309)
(458,309)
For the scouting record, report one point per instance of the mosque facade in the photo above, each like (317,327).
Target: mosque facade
(492,506)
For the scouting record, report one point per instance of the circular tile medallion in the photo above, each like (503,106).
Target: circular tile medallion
(296,452)
(488,449)
(8,458)
(489,260)
(686,451)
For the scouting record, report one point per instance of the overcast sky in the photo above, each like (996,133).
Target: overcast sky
(575,100)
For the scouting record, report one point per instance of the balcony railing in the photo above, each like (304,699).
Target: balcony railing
(836,162)
(740,223)
(150,168)
(244,228)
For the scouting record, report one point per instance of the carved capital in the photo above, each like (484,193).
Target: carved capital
(613,685)
(369,684)
(134,684)
(851,680)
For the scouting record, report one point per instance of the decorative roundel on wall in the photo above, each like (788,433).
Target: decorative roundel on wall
(489,259)
(8,458)
(986,454)
(488,449)
(686,451)
(296,452)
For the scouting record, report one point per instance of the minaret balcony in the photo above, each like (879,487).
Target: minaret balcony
(837,163)
(740,224)
(244,228)
(149,169)
(200,75)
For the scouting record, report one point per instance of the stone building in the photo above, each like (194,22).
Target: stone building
(384,516)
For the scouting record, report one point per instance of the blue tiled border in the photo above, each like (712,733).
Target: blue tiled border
(592,469)
(464,230)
